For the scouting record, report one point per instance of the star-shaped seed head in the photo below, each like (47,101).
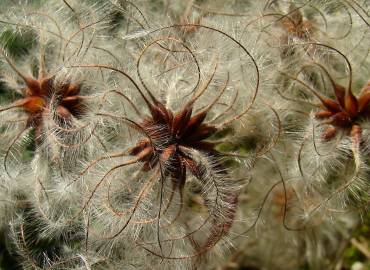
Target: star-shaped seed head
(171,137)
(43,93)
(345,111)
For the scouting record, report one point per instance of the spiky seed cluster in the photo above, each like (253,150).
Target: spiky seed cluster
(345,112)
(36,100)
(180,132)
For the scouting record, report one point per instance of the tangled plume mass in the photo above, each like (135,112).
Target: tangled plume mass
(198,134)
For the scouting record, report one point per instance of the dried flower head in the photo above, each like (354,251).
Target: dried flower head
(36,98)
(345,112)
